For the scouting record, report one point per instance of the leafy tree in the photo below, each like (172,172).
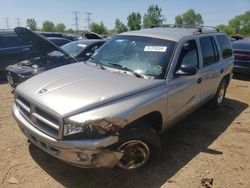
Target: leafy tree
(98,28)
(239,25)
(153,16)
(134,21)
(178,20)
(70,30)
(31,23)
(189,18)
(60,27)
(226,29)
(120,27)
(48,26)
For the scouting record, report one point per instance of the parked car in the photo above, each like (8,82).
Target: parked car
(80,50)
(241,50)
(58,41)
(13,49)
(59,35)
(51,56)
(110,109)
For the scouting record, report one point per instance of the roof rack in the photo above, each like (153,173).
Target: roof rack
(200,29)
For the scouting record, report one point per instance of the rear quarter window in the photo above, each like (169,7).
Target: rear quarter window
(225,46)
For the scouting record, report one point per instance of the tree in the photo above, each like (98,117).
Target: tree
(60,27)
(189,18)
(134,21)
(48,26)
(239,25)
(31,24)
(98,28)
(153,16)
(178,20)
(70,30)
(120,27)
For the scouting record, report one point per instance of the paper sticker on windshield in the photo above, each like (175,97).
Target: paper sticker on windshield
(155,48)
(82,45)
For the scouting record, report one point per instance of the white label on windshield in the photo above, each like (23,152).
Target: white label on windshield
(155,48)
(82,45)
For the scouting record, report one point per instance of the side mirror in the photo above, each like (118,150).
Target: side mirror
(186,70)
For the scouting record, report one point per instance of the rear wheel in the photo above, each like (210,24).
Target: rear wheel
(139,143)
(220,94)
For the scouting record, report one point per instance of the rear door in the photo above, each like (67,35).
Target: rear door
(211,69)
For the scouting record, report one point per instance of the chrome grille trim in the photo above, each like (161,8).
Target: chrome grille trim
(40,118)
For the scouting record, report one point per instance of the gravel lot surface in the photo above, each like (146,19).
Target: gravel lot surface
(208,145)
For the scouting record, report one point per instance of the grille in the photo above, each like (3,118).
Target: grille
(41,119)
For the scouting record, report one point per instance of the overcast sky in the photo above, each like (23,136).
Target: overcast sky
(214,12)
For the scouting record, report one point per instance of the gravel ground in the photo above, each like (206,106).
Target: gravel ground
(208,145)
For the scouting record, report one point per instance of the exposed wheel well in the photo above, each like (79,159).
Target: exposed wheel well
(155,120)
(227,78)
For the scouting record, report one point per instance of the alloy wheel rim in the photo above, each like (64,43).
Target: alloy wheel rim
(221,94)
(136,153)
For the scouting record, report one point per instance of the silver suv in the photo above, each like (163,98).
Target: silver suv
(110,109)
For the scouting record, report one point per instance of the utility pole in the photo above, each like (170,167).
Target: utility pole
(7,23)
(88,19)
(18,22)
(76,19)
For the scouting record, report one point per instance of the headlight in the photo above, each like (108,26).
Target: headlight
(88,130)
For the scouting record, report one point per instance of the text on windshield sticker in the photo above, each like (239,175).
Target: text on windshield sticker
(155,48)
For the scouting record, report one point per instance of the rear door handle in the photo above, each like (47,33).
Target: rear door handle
(199,80)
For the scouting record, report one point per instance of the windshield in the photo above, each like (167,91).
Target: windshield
(144,55)
(72,48)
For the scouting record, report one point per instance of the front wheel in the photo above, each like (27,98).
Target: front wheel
(139,143)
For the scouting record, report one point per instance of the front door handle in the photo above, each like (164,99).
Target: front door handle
(221,71)
(199,80)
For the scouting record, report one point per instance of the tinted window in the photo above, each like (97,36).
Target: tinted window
(216,52)
(144,55)
(207,50)
(189,55)
(11,41)
(224,46)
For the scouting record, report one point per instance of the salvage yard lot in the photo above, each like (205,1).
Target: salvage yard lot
(208,144)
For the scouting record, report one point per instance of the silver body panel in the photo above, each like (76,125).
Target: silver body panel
(83,92)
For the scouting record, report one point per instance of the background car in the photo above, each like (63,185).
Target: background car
(83,49)
(59,41)
(13,49)
(241,50)
(51,56)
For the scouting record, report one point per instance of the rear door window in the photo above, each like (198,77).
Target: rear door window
(208,51)
(224,46)
(11,41)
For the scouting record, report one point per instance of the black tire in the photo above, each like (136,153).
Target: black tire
(142,133)
(219,97)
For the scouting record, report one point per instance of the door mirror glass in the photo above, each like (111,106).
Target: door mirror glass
(186,70)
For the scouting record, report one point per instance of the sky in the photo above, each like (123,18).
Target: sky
(214,12)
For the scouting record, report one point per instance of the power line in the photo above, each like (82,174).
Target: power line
(18,23)
(88,19)
(76,19)
(7,23)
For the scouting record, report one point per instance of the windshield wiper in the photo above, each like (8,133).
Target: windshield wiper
(127,69)
(98,63)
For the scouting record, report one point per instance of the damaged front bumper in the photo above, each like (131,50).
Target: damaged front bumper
(81,153)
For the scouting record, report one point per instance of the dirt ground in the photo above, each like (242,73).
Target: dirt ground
(208,144)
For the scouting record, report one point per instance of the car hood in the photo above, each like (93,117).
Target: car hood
(76,88)
(40,42)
